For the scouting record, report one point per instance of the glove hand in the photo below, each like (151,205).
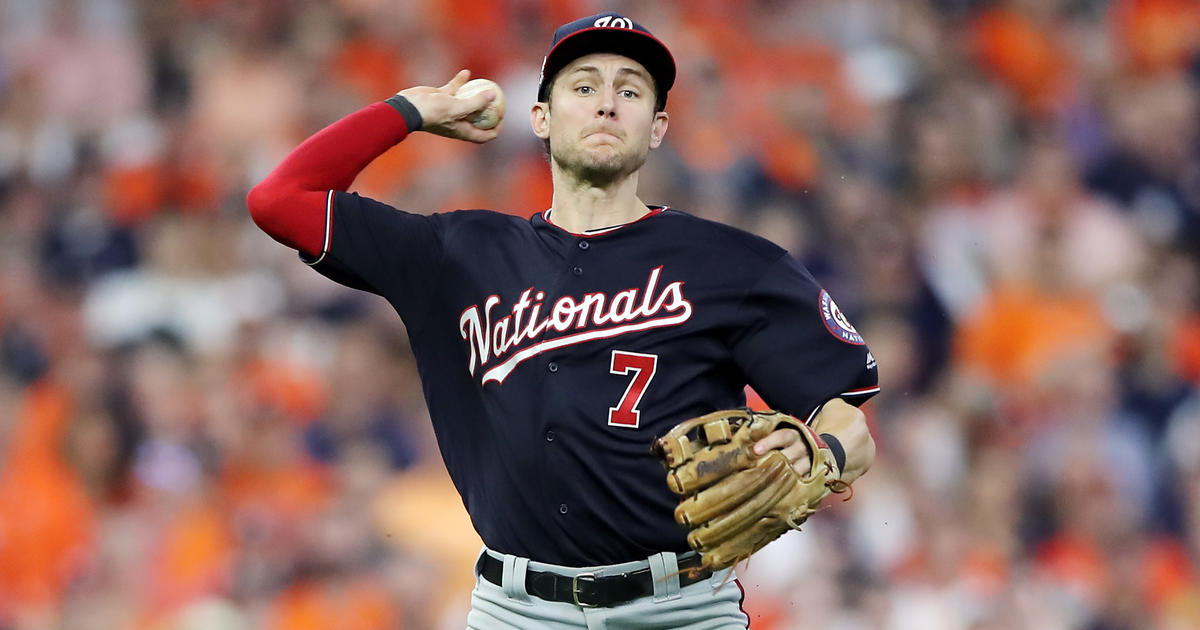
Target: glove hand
(444,114)
(735,500)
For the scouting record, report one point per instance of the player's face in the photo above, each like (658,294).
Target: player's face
(602,124)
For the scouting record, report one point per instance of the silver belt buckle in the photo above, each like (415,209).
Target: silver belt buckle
(575,589)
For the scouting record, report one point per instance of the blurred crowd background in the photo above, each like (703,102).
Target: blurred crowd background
(199,432)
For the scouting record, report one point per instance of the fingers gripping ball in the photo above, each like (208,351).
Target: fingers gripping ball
(491,115)
(735,502)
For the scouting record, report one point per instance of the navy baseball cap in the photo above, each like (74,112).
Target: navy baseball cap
(612,33)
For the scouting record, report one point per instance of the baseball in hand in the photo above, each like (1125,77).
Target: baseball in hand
(489,116)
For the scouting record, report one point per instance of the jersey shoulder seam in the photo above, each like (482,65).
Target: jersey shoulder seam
(762,276)
(766,250)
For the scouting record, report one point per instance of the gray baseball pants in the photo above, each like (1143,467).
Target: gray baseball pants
(710,604)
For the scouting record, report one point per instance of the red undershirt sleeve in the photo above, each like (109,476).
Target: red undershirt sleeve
(290,204)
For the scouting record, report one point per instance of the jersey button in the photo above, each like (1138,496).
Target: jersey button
(552,366)
(562,509)
(577,270)
(549,436)
(584,245)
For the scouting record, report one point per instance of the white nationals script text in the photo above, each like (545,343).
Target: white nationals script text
(595,315)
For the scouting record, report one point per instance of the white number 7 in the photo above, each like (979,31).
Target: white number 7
(626,413)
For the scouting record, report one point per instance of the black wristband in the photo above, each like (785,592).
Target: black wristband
(412,117)
(839,451)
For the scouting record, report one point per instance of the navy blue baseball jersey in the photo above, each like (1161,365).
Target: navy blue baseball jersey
(551,361)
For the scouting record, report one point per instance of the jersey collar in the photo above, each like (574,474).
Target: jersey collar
(650,211)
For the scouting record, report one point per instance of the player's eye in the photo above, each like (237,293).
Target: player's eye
(584,90)
(629,93)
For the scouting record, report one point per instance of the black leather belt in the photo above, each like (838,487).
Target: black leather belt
(588,590)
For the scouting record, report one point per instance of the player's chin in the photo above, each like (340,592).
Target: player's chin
(616,156)
(591,158)
(602,152)
(602,164)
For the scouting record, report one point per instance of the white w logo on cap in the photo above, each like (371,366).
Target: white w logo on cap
(613,22)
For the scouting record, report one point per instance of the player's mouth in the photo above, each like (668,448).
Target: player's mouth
(604,133)
(603,138)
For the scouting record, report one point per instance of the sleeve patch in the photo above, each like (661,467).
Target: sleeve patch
(836,322)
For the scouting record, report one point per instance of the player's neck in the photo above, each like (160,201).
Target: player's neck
(579,206)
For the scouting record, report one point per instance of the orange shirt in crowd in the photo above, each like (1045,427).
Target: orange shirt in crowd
(1025,56)
(1157,35)
(46,515)
(1020,333)
(359,603)
(1185,348)
(300,393)
(1163,577)
(192,556)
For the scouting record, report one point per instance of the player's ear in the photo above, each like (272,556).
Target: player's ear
(539,119)
(658,129)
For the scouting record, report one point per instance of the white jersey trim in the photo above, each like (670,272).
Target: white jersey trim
(862,391)
(328,230)
(604,230)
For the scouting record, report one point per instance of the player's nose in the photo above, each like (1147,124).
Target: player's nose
(607,103)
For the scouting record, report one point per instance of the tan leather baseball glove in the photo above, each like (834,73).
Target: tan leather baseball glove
(735,502)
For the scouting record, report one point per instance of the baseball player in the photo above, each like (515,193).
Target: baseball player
(553,350)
